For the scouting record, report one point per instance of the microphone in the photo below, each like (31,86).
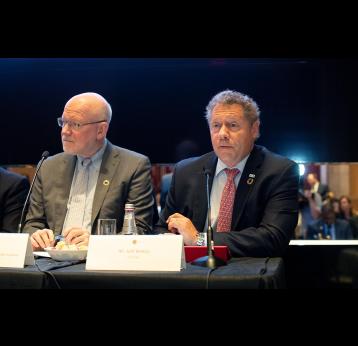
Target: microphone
(44,156)
(209,261)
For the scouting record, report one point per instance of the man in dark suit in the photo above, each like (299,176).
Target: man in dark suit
(328,226)
(253,192)
(13,191)
(91,180)
(317,186)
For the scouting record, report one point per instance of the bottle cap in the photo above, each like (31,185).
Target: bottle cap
(129,206)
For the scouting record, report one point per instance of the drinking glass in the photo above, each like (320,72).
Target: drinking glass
(106,227)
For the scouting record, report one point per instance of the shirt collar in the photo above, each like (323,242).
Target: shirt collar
(97,157)
(220,166)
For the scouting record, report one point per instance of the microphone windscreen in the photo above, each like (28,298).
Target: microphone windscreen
(45,154)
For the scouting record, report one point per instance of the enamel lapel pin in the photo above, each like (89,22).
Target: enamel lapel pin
(251,179)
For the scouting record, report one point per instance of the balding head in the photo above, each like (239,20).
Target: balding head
(85,120)
(91,105)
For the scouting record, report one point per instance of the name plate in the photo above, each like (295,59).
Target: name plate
(15,250)
(135,252)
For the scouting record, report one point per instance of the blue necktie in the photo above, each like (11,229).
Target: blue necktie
(77,204)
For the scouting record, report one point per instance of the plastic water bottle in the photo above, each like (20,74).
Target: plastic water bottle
(129,226)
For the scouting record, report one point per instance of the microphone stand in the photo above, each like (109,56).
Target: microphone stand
(44,156)
(209,261)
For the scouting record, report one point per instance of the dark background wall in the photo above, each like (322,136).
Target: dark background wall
(307,105)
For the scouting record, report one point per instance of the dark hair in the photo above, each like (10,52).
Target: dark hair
(350,203)
(327,207)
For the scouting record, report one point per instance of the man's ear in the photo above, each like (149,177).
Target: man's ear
(102,130)
(256,129)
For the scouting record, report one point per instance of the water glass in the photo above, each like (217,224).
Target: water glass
(106,227)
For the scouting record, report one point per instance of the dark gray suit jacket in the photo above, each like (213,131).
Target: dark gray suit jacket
(129,177)
(265,212)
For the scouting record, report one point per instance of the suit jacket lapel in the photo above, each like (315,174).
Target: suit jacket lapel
(62,191)
(201,203)
(109,165)
(247,181)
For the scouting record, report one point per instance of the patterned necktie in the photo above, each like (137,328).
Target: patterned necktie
(76,209)
(227,201)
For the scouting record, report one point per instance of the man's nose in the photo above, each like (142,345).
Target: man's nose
(223,132)
(66,129)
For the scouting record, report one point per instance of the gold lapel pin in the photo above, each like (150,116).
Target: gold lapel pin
(106,182)
(250,181)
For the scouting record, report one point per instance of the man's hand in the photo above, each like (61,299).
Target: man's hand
(42,238)
(77,236)
(178,223)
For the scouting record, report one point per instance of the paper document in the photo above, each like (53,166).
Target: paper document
(41,254)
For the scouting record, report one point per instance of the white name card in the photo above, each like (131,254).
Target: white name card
(135,252)
(15,250)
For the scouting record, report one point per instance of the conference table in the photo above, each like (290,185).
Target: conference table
(239,273)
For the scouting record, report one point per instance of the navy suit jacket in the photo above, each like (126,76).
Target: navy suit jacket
(265,212)
(13,191)
(342,227)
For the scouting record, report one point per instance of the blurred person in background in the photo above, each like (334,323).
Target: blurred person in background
(328,226)
(346,212)
(316,186)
